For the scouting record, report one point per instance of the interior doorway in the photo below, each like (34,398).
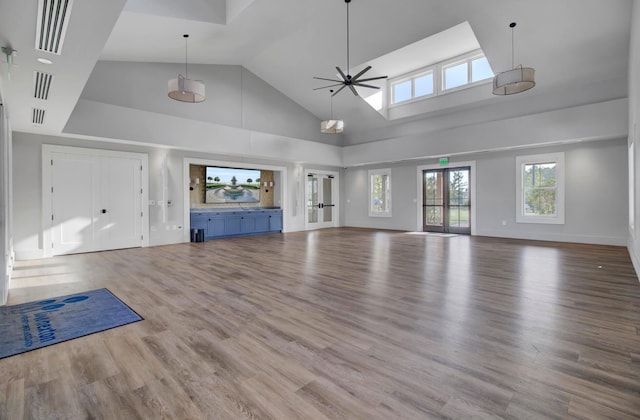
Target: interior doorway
(321,197)
(447,200)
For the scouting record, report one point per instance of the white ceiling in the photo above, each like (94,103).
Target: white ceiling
(575,46)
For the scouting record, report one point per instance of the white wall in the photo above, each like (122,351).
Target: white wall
(236,98)
(27,201)
(596,197)
(634,123)
(602,120)
(6,208)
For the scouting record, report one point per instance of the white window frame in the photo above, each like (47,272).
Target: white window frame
(380,172)
(521,161)
(437,70)
(413,76)
(466,58)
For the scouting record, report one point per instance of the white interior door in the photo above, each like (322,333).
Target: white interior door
(120,203)
(96,202)
(321,198)
(74,203)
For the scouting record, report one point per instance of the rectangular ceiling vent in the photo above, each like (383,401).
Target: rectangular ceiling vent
(38,116)
(51,27)
(41,85)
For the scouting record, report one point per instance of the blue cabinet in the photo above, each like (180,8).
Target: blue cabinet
(223,223)
(232,224)
(261,223)
(215,226)
(275,221)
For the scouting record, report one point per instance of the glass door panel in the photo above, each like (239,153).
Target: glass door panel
(433,200)
(327,199)
(459,203)
(312,199)
(447,203)
(320,193)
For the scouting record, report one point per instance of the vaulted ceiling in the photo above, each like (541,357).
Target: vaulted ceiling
(578,47)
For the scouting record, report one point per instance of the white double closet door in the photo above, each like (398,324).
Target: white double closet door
(96,199)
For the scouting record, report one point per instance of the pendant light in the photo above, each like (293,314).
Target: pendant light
(332,126)
(516,80)
(184,89)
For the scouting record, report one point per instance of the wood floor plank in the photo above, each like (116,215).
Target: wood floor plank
(340,323)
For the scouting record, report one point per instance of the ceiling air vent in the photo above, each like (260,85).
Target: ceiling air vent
(51,27)
(38,116)
(41,85)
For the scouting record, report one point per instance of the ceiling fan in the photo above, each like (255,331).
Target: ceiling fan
(347,80)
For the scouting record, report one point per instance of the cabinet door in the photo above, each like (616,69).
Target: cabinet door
(215,226)
(198,221)
(262,222)
(248,223)
(275,221)
(232,224)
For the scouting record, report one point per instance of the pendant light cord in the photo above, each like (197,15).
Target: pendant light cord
(331,106)
(186,57)
(513,58)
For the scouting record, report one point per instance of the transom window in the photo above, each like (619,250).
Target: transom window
(415,87)
(468,71)
(458,73)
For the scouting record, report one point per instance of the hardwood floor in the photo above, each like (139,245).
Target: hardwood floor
(340,323)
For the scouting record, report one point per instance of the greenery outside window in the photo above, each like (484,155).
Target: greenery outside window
(380,193)
(540,188)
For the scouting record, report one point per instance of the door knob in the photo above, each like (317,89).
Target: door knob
(103,211)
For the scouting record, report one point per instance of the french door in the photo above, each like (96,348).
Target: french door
(447,200)
(321,200)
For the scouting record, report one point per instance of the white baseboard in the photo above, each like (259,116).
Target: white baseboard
(29,254)
(581,239)
(634,258)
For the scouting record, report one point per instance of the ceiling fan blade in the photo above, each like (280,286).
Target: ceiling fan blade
(330,80)
(373,78)
(324,87)
(342,74)
(366,69)
(355,92)
(338,91)
(367,86)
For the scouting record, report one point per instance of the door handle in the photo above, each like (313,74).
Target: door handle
(320,205)
(103,211)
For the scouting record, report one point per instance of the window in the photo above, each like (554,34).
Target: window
(415,87)
(540,188)
(461,72)
(472,69)
(380,193)
(480,69)
(456,75)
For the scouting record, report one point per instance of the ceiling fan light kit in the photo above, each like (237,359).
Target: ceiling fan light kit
(346,79)
(184,89)
(516,80)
